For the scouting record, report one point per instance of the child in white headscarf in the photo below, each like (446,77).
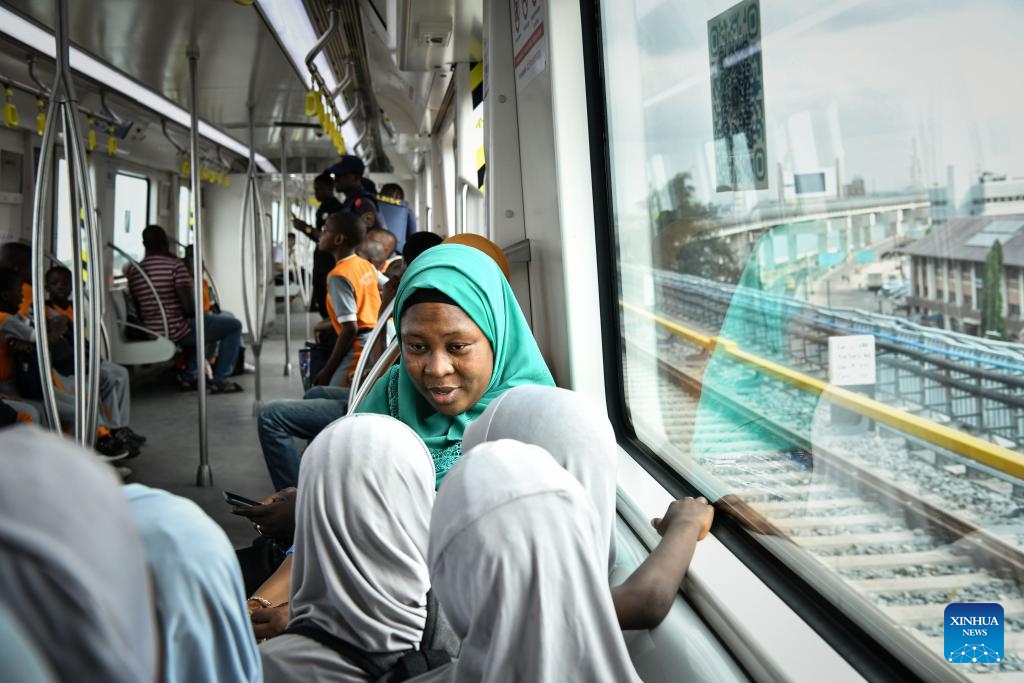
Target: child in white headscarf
(72,567)
(199,597)
(518,560)
(366,488)
(581,439)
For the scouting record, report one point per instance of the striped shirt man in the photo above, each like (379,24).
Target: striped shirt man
(168,275)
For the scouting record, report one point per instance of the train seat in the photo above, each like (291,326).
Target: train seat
(125,351)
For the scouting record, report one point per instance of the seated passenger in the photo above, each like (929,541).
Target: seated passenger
(72,566)
(464,341)
(485,245)
(518,559)
(279,259)
(115,382)
(376,253)
(364,477)
(174,290)
(17,337)
(18,255)
(353,298)
(581,439)
(198,591)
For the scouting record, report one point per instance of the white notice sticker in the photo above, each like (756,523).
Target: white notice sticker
(851,360)
(529,44)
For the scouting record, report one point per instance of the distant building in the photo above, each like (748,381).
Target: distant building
(948,267)
(997,196)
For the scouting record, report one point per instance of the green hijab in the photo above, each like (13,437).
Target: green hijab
(476,284)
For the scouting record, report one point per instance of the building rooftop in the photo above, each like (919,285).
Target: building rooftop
(971,238)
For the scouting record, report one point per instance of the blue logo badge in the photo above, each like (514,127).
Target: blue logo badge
(974,633)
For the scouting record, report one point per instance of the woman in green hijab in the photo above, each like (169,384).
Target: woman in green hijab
(463,340)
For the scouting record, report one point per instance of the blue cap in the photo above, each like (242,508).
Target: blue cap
(348,164)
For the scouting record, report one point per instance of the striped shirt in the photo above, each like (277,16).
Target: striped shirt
(168,275)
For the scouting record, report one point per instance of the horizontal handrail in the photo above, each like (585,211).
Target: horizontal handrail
(996,456)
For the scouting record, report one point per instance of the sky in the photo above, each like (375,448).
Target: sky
(863,81)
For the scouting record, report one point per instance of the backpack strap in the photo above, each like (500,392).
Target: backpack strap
(431,623)
(346,650)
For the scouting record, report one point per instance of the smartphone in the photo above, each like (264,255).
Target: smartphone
(239,501)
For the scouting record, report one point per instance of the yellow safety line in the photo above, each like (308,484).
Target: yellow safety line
(986,452)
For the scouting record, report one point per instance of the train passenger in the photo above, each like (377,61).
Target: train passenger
(376,253)
(353,298)
(18,337)
(115,382)
(72,566)
(518,558)
(18,255)
(485,245)
(365,476)
(396,213)
(200,604)
(174,291)
(581,439)
(465,341)
(385,238)
(353,305)
(323,190)
(280,258)
(348,179)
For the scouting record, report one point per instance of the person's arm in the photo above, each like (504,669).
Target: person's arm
(306,229)
(341,347)
(184,288)
(276,590)
(644,599)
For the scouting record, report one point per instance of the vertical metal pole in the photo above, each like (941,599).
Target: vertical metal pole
(306,271)
(286,231)
(77,295)
(258,274)
(204,475)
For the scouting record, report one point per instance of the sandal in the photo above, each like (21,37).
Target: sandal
(226,388)
(187,384)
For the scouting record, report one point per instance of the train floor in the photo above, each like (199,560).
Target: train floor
(169,418)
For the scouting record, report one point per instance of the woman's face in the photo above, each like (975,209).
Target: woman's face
(447,356)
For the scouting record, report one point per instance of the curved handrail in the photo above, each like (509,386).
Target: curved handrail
(386,360)
(138,266)
(382,324)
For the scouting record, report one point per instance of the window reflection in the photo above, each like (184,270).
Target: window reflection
(820,225)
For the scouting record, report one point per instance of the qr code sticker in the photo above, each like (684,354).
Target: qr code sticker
(737,98)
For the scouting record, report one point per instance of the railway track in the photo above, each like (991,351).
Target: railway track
(880,515)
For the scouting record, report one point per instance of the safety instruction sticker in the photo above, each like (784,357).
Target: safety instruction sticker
(851,360)
(529,42)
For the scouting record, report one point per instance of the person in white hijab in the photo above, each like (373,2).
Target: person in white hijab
(366,488)
(200,601)
(579,436)
(518,561)
(72,566)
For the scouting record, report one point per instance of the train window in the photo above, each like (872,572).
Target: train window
(131,211)
(185,214)
(819,237)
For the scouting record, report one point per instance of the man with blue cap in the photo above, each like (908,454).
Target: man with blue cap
(348,179)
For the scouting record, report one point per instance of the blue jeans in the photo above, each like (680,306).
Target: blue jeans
(280,422)
(221,328)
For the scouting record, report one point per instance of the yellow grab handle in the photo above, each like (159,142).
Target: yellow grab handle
(10,111)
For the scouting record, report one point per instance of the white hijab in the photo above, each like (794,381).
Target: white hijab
(366,488)
(517,561)
(72,566)
(200,599)
(574,431)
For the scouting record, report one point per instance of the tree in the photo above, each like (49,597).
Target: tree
(992,323)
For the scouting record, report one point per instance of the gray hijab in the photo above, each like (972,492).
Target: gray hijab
(72,567)
(573,430)
(517,561)
(362,518)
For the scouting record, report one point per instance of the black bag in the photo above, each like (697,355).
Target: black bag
(408,664)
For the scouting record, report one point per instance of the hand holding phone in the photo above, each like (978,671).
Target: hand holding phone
(239,501)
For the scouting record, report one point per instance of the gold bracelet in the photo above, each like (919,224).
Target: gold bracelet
(262,601)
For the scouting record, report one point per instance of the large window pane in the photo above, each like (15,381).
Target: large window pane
(820,239)
(131,210)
